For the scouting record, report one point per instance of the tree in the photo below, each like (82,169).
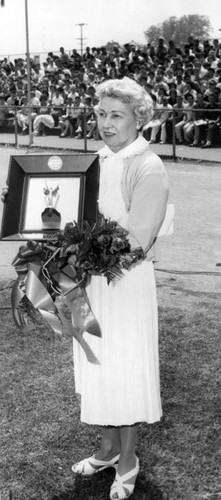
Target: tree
(110,46)
(179,29)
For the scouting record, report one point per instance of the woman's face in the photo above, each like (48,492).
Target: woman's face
(117,123)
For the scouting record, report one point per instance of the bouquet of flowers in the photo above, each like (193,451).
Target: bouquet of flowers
(63,265)
(102,249)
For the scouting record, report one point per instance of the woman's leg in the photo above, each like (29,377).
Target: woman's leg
(188,131)
(127,463)
(19,119)
(197,134)
(163,133)
(36,124)
(178,131)
(22,121)
(110,443)
(128,437)
(47,120)
(119,440)
(212,127)
(65,128)
(154,132)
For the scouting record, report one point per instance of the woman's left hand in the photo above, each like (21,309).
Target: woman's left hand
(4,193)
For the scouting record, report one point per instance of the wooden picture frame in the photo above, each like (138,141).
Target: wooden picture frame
(47,191)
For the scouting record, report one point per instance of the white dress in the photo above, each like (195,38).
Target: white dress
(125,387)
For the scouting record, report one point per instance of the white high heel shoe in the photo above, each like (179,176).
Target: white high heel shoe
(120,485)
(91,465)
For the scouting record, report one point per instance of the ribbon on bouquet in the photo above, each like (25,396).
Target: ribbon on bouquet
(41,284)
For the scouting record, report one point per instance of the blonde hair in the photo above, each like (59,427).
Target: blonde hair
(129,92)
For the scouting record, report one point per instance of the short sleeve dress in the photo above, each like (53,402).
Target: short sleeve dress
(125,388)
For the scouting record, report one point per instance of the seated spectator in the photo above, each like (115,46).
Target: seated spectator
(23,115)
(198,117)
(189,88)
(76,117)
(19,95)
(57,105)
(172,96)
(169,77)
(123,69)
(211,87)
(160,83)
(4,83)
(196,75)
(99,78)
(67,121)
(160,94)
(151,80)
(207,128)
(161,50)
(92,129)
(180,84)
(178,108)
(87,55)
(35,104)
(64,57)
(112,70)
(3,111)
(43,87)
(217,48)
(181,127)
(73,120)
(91,92)
(212,59)
(44,117)
(218,85)
(147,128)
(164,113)
(149,89)
(73,91)
(51,66)
(197,111)
(82,90)
(67,87)
(142,79)
(12,102)
(79,113)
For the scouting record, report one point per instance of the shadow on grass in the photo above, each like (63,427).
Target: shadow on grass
(40,417)
(98,487)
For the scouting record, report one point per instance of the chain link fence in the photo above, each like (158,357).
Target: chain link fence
(194,139)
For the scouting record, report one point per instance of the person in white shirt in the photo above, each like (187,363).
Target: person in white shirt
(57,104)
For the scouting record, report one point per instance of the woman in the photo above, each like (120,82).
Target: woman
(65,121)
(124,389)
(164,115)
(183,126)
(23,115)
(43,118)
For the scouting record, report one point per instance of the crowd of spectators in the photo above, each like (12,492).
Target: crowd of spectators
(185,84)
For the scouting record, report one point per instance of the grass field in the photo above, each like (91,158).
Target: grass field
(41,435)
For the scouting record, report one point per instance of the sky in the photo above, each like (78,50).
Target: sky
(55,23)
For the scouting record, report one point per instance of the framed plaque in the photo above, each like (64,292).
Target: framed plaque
(47,191)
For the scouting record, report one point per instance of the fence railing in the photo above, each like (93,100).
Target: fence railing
(173,133)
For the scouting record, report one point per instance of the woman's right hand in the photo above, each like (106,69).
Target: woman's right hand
(4,193)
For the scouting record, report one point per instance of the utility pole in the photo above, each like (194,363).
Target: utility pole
(81,35)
